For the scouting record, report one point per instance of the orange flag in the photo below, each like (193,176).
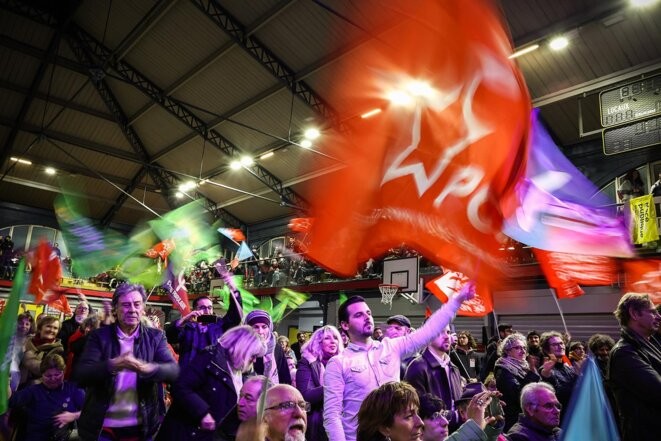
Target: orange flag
(450,283)
(644,276)
(429,170)
(565,272)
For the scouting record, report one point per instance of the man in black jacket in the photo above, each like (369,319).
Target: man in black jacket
(122,367)
(634,368)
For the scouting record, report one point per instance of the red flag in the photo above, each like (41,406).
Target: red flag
(644,276)
(430,173)
(46,271)
(162,250)
(58,300)
(450,283)
(176,290)
(565,271)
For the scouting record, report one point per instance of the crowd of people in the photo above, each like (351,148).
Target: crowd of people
(116,375)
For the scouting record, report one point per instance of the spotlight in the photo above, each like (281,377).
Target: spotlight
(400,98)
(235,165)
(305,143)
(420,88)
(50,171)
(186,186)
(559,43)
(311,133)
(246,161)
(179,195)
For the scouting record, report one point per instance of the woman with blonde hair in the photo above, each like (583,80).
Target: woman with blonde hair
(324,343)
(207,390)
(44,343)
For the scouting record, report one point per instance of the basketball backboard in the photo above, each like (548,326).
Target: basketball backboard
(405,273)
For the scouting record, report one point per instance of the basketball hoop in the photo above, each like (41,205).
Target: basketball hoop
(388,293)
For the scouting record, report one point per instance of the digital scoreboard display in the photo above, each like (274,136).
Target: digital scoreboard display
(633,136)
(641,99)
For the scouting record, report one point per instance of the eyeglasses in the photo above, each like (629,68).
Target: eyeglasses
(443,413)
(549,406)
(518,348)
(290,405)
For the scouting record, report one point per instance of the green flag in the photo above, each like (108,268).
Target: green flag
(7,331)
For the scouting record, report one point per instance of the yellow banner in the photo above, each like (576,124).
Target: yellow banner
(643,214)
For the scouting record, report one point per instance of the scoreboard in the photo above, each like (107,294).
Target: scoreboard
(631,115)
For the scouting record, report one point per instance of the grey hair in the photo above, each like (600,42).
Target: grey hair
(529,390)
(126,288)
(508,342)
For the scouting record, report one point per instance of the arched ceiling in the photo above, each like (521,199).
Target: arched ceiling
(133,97)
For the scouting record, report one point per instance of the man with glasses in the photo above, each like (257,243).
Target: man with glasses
(634,368)
(201,327)
(557,369)
(540,419)
(285,414)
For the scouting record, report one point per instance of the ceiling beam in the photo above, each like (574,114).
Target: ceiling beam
(156,13)
(75,141)
(264,19)
(132,76)
(67,104)
(36,52)
(267,59)
(27,101)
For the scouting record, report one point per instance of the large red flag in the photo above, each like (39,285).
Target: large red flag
(430,172)
(565,272)
(450,283)
(46,271)
(644,276)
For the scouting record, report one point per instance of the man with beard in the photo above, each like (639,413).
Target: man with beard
(634,368)
(367,364)
(535,355)
(285,414)
(434,373)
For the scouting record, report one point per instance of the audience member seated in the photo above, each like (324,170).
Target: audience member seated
(390,413)
(478,426)
(285,414)
(512,373)
(324,344)
(540,419)
(53,405)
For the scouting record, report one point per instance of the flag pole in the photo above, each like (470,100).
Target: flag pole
(562,316)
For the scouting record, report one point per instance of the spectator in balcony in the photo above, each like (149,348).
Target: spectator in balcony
(631,186)
(512,373)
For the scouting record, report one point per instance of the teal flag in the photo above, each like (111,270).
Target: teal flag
(8,331)
(589,417)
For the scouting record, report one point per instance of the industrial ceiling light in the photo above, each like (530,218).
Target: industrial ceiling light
(420,88)
(49,170)
(187,186)
(559,43)
(246,161)
(641,3)
(306,143)
(179,195)
(266,155)
(400,98)
(235,165)
(525,50)
(20,160)
(312,133)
